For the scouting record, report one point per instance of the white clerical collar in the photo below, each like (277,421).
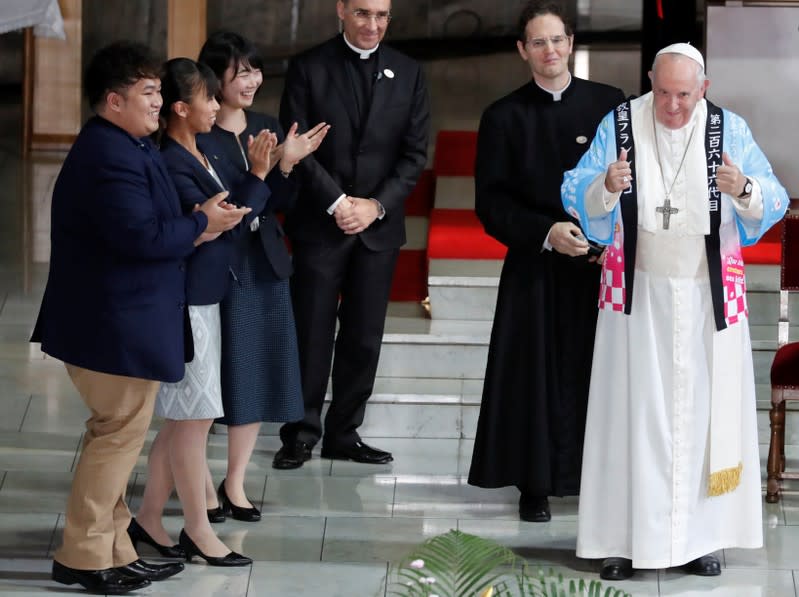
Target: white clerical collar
(364,54)
(556,95)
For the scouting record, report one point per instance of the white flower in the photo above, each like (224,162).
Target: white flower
(417,564)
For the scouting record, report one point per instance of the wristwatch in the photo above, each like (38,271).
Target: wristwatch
(747,189)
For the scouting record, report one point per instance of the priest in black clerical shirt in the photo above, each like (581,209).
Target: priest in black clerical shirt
(532,416)
(348,222)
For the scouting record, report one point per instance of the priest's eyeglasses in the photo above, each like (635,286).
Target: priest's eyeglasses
(381,17)
(539,43)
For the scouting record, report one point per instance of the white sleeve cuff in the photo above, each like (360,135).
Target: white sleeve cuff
(754,209)
(598,200)
(381,211)
(335,203)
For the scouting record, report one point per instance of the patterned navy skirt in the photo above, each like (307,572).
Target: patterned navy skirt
(260,362)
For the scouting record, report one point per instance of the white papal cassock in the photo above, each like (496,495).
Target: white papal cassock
(659,371)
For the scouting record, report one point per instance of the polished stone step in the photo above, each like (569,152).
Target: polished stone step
(464,289)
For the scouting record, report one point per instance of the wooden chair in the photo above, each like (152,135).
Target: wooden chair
(785,368)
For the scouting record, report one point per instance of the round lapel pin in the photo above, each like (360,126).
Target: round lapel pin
(389,73)
(582,139)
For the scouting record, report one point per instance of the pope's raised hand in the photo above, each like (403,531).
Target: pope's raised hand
(619,175)
(729,177)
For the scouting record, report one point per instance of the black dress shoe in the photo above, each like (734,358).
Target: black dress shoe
(137,534)
(152,572)
(534,508)
(292,455)
(216,515)
(357,452)
(705,566)
(231,559)
(246,514)
(616,569)
(105,582)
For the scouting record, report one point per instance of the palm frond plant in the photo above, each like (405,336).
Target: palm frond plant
(458,564)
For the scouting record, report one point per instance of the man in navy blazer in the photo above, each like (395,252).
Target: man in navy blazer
(348,222)
(113,308)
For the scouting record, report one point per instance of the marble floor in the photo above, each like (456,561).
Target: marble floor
(329,529)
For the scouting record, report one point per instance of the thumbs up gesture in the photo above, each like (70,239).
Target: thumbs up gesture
(619,175)
(729,177)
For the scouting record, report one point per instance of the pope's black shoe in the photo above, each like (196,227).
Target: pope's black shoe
(534,508)
(152,572)
(705,566)
(357,452)
(105,582)
(291,455)
(616,569)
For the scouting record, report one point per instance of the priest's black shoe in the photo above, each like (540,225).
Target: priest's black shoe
(705,566)
(137,534)
(292,455)
(152,572)
(231,559)
(616,569)
(104,582)
(357,452)
(534,508)
(245,514)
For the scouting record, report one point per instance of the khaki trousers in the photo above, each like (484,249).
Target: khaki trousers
(95,534)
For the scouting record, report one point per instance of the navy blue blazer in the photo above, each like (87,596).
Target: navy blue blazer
(115,295)
(284,190)
(209,268)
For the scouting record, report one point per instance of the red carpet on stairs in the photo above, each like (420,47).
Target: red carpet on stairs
(458,234)
(410,275)
(767,251)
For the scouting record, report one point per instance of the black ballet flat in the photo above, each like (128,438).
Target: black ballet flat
(138,534)
(191,549)
(216,515)
(237,512)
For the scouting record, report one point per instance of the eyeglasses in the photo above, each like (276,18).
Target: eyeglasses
(539,43)
(381,17)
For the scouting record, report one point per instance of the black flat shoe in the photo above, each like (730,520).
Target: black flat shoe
(292,455)
(105,582)
(216,515)
(616,569)
(231,559)
(357,452)
(152,572)
(138,534)
(237,512)
(705,566)
(534,508)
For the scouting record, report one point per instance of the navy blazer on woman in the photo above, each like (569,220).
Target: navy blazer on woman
(283,189)
(209,268)
(115,296)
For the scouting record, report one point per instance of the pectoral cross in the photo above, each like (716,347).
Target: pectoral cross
(667,210)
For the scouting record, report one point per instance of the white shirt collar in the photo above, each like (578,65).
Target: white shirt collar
(364,54)
(557,94)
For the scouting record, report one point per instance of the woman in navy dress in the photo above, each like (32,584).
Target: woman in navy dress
(198,169)
(260,362)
